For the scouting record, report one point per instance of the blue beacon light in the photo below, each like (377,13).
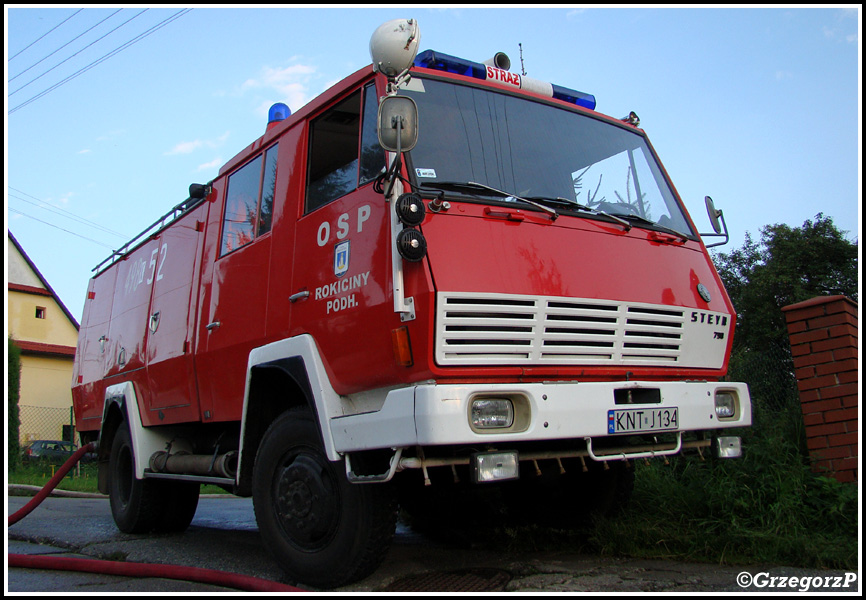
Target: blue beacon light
(277,113)
(430,59)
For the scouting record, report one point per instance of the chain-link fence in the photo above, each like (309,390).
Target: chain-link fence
(776,414)
(45,423)
(769,373)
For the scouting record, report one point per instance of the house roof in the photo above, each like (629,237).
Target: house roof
(45,349)
(47,291)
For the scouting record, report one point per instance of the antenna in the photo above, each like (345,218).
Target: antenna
(522,70)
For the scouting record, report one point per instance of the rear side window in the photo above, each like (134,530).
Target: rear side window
(249,201)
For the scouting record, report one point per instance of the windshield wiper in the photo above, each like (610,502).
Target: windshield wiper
(650,222)
(553,214)
(577,205)
(472,185)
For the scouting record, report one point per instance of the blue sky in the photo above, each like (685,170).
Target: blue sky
(758,108)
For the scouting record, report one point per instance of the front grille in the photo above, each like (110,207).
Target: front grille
(487,329)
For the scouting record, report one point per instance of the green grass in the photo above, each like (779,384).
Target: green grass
(39,473)
(764,507)
(81,478)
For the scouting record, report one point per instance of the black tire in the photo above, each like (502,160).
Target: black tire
(181,502)
(146,505)
(323,530)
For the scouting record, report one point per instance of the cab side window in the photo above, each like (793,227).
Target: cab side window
(344,151)
(372,155)
(249,201)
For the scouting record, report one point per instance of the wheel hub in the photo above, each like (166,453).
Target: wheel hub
(298,499)
(305,503)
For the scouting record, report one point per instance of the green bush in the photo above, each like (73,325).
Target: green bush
(13,358)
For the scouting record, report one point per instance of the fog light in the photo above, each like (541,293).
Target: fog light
(726,404)
(729,447)
(492,413)
(494,466)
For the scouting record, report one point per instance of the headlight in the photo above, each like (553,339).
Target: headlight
(492,413)
(726,404)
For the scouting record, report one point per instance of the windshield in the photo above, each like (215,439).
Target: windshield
(534,150)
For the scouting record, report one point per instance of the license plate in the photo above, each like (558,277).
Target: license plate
(636,420)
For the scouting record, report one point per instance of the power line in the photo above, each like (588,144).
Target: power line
(92,27)
(60,228)
(117,50)
(46,33)
(79,52)
(63,213)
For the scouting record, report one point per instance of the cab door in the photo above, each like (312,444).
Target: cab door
(341,247)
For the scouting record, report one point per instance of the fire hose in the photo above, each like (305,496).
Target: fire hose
(123,569)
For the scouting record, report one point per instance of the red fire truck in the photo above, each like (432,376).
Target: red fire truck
(437,273)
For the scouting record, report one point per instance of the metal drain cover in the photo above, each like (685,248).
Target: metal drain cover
(463,580)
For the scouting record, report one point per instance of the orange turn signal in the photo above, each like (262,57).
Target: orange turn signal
(402,350)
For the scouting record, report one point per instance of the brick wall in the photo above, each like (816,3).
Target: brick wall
(823,333)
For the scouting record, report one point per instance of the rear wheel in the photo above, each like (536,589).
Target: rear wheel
(144,505)
(323,530)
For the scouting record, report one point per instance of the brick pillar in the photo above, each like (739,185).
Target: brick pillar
(823,333)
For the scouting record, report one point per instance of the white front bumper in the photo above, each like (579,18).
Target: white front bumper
(436,415)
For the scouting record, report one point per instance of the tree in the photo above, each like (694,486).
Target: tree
(13,358)
(788,265)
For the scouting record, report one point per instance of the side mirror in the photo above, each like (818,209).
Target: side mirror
(714,214)
(717,220)
(398,123)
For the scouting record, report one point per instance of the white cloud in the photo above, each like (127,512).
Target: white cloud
(215,163)
(111,135)
(837,30)
(286,84)
(190,147)
(185,147)
(59,201)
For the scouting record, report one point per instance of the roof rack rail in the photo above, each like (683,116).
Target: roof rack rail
(198,193)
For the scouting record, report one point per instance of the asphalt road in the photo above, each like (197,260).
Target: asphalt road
(224,536)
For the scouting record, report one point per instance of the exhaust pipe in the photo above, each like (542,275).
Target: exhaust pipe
(224,465)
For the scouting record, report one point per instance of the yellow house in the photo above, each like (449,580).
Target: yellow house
(47,334)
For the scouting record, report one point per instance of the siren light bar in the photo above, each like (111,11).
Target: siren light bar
(430,59)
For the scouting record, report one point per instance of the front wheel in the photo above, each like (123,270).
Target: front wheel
(323,530)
